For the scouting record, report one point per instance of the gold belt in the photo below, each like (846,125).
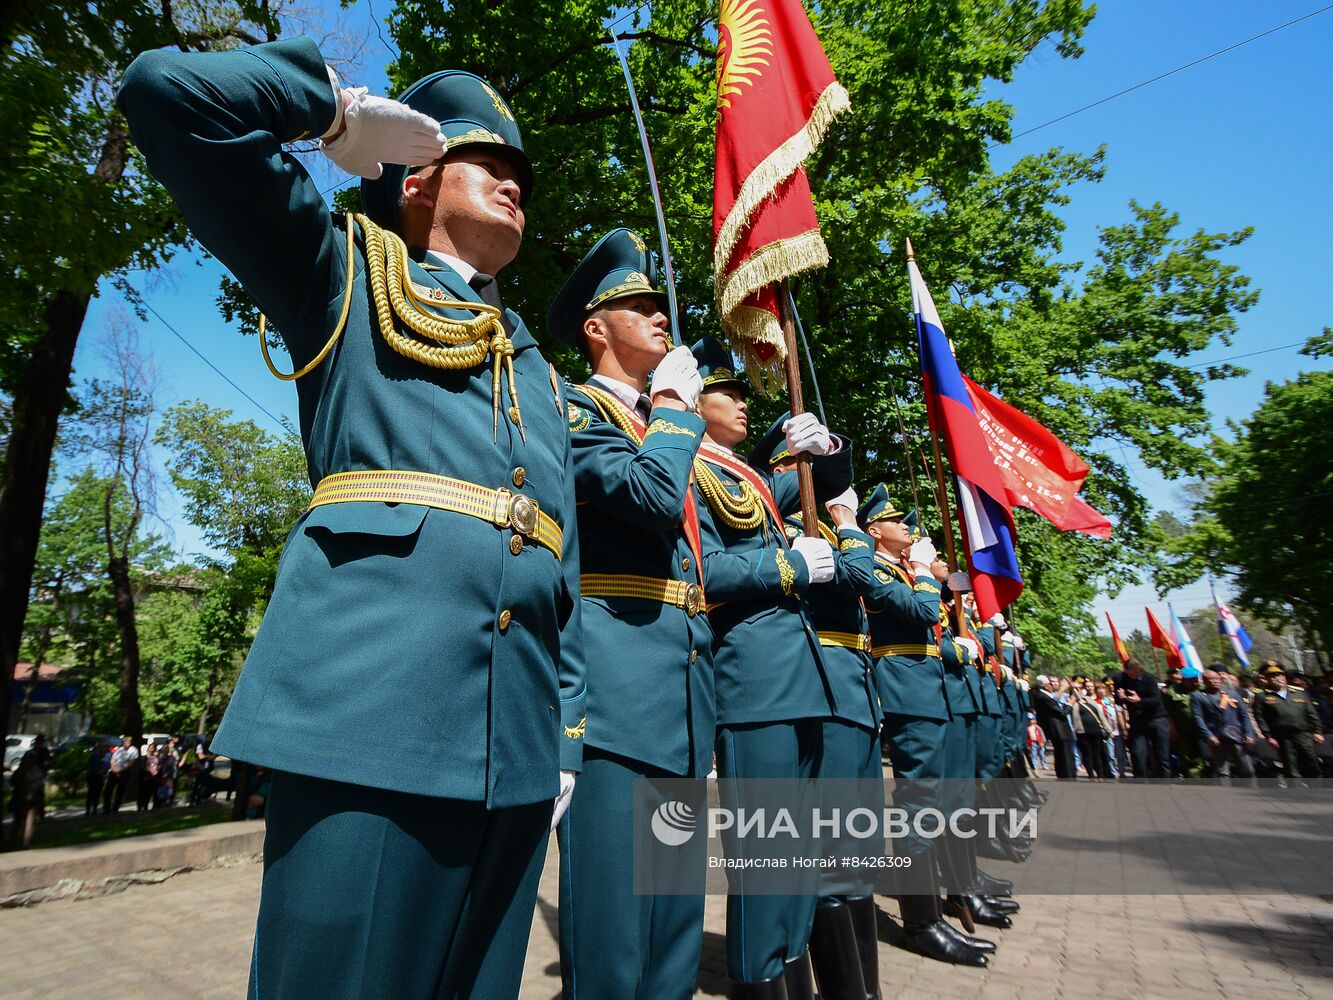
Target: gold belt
(847,640)
(502,507)
(906,649)
(689,596)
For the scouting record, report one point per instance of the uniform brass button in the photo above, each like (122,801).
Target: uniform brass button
(520,476)
(516,544)
(694,655)
(685,564)
(505,617)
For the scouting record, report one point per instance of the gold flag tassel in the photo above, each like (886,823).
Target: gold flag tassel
(459,343)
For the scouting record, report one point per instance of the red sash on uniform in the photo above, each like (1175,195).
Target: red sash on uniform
(691,525)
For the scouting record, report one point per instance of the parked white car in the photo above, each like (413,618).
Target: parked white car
(15,747)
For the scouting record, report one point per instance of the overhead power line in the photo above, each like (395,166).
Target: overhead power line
(199,354)
(1162,76)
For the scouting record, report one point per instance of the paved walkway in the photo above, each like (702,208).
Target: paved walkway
(192,940)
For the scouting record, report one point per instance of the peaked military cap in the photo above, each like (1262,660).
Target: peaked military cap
(772,447)
(619,265)
(716,366)
(877,507)
(1271,669)
(470,112)
(913,521)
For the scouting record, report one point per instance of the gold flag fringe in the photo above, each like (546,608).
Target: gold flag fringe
(776,168)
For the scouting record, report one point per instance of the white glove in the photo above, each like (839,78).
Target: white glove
(959,582)
(846,499)
(996,619)
(678,372)
(921,555)
(562,800)
(806,433)
(818,556)
(379,131)
(1018,642)
(973,650)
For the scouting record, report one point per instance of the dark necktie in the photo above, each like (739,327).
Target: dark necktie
(489,292)
(644,407)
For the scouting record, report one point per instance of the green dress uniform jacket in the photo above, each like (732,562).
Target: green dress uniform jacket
(763,643)
(650,679)
(1280,718)
(961,685)
(838,616)
(414,623)
(903,615)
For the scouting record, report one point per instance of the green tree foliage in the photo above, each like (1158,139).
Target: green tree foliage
(1257,517)
(1093,352)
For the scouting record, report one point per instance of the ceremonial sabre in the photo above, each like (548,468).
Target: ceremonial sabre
(657,196)
(809,358)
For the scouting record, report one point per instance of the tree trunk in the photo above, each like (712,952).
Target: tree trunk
(38,399)
(131,714)
(39,655)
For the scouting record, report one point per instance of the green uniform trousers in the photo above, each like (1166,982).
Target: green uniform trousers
(916,751)
(990,750)
(370,893)
(615,945)
(851,753)
(763,932)
(1297,750)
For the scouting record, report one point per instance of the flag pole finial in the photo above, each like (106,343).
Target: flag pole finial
(911,254)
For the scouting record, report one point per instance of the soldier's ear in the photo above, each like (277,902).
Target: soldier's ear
(417,194)
(594,332)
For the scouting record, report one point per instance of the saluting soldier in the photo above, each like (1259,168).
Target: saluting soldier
(771,679)
(1289,720)
(647,642)
(844,941)
(431,591)
(904,614)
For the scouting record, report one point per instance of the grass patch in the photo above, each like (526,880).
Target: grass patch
(67,833)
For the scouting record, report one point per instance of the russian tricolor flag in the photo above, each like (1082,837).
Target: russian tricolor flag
(988,523)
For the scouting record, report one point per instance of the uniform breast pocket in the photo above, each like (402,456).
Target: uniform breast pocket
(349,531)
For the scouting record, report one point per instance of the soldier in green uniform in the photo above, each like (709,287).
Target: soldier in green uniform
(431,592)
(1289,720)
(957,855)
(904,613)
(646,638)
(773,691)
(844,941)
(989,746)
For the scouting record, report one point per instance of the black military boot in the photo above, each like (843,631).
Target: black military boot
(834,954)
(926,933)
(999,904)
(865,922)
(982,913)
(765,989)
(981,944)
(800,978)
(989,885)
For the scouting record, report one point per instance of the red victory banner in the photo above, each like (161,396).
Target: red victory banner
(1037,469)
(776,97)
(1116,641)
(1161,639)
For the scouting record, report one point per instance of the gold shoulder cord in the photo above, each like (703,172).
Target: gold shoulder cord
(611,413)
(459,343)
(743,513)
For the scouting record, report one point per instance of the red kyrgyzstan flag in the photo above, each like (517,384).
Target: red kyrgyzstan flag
(776,97)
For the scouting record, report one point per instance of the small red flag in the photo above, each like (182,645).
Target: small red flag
(1161,639)
(1120,649)
(776,97)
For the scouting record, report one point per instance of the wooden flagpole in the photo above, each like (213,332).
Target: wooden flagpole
(805,477)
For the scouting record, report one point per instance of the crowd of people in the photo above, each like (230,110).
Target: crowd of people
(1217,724)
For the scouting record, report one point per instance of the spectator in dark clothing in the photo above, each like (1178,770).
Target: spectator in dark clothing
(1091,736)
(99,765)
(1225,730)
(27,790)
(124,768)
(149,767)
(1055,724)
(1149,728)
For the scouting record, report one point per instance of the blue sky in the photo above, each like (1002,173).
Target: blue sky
(1241,140)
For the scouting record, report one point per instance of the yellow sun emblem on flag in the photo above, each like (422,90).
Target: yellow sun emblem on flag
(744,39)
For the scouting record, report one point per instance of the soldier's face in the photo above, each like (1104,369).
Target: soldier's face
(477,207)
(892,536)
(634,331)
(725,412)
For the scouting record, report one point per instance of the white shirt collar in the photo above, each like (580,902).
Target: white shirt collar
(464,269)
(623,391)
